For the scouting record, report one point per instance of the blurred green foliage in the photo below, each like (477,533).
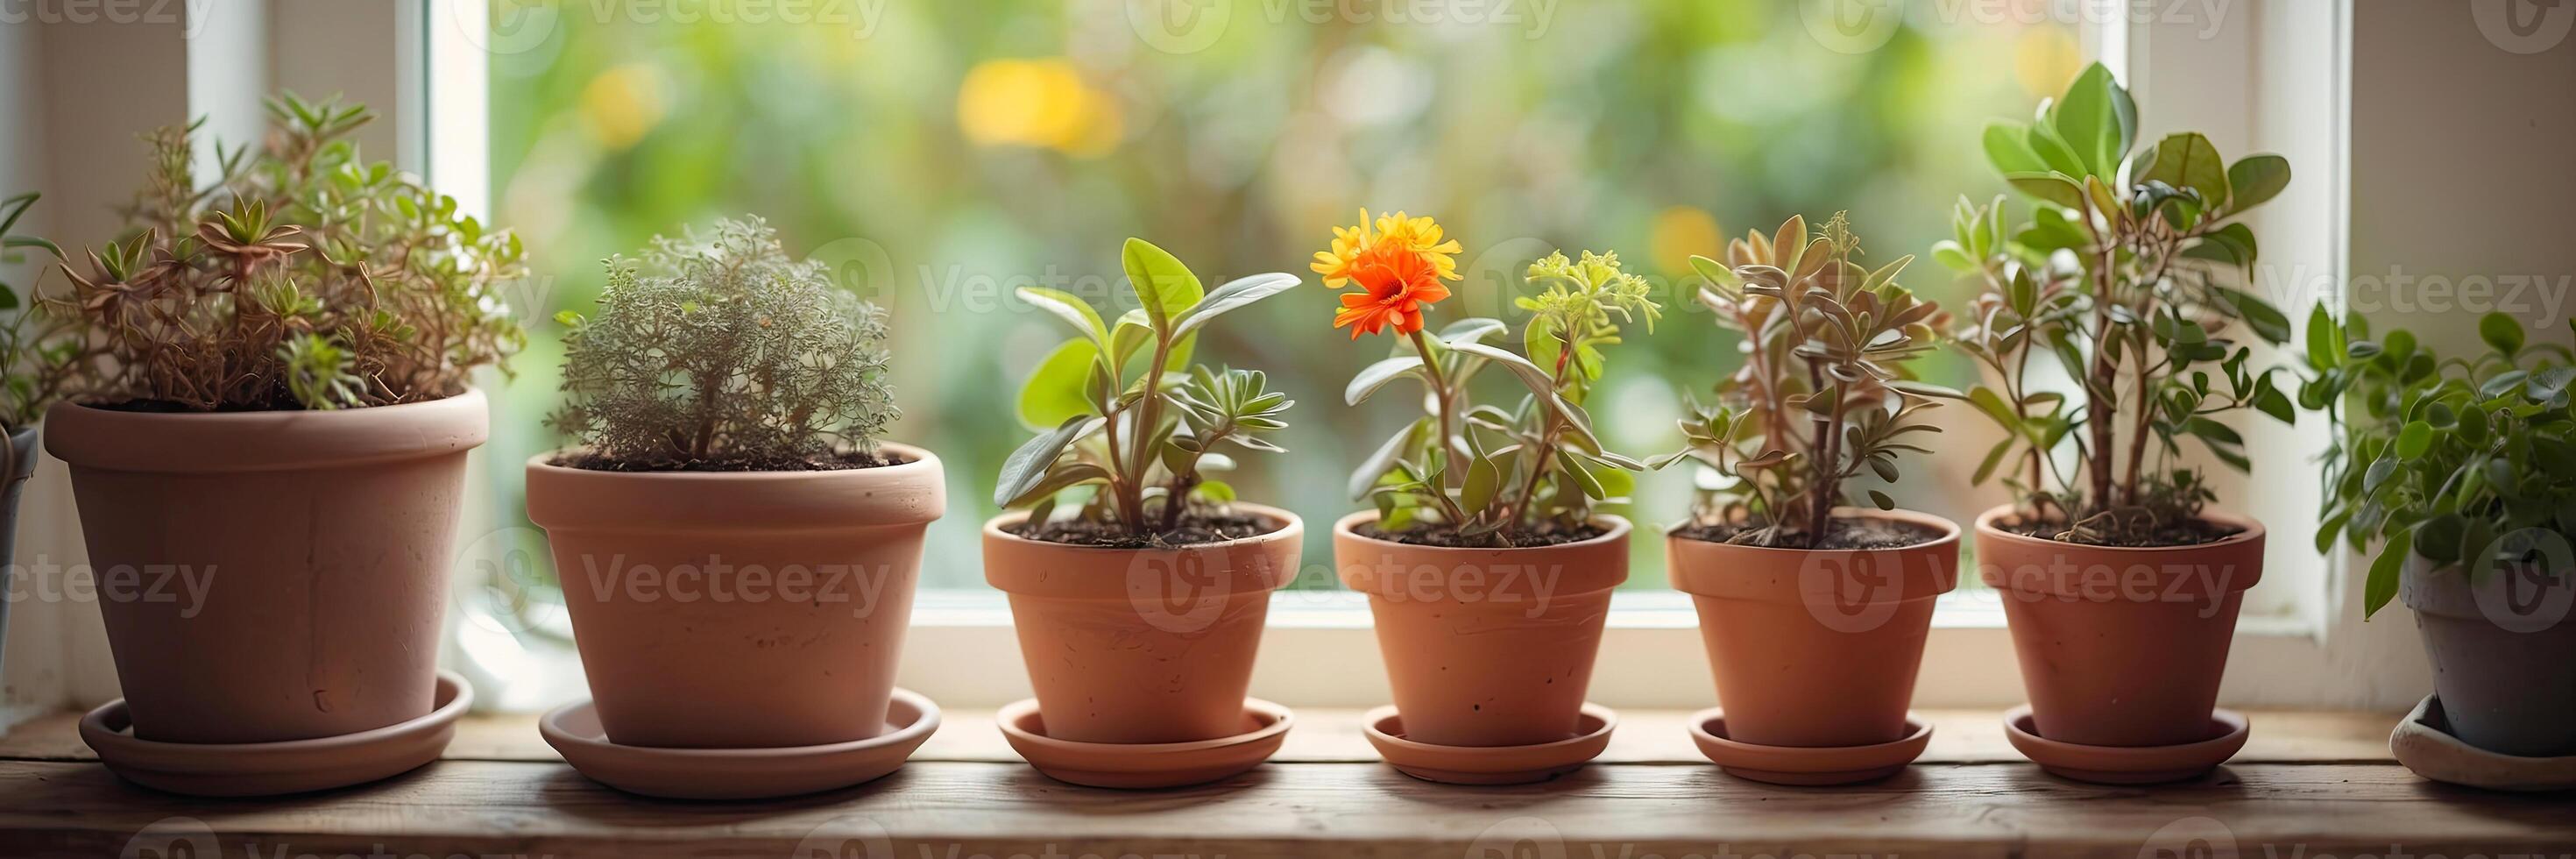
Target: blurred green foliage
(941,154)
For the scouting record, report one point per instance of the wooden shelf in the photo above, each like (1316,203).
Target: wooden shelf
(2317,782)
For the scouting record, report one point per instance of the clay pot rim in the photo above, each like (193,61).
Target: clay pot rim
(924,713)
(105,728)
(1008,719)
(1292,527)
(274,440)
(1950,532)
(2250,529)
(1347,525)
(919,461)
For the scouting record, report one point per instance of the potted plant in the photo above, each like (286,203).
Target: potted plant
(1138,583)
(1487,569)
(37,356)
(2461,471)
(2120,580)
(737,547)
(1814,610)
(278,431)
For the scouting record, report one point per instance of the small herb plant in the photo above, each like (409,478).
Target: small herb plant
(1824,392)
(1129,428)
(2464,463)
(302,277)
(37,358)
(2116,279)
(1472,474)
(722,353)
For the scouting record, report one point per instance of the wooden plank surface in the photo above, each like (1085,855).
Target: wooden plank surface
(1333,735)
(967,809)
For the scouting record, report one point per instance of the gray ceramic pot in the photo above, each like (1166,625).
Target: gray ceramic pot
(2503,646)
(13,479)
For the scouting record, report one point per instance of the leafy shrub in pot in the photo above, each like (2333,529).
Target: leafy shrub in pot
(2463,471)
(1138,584)
(2115,279)
(1774,556)
(1488,572)
(272,419)
(738,549)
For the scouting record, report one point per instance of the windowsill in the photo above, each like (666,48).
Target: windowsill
(2313,781)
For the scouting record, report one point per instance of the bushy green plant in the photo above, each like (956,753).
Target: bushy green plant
(1824,392)
(2117,279)
(38,355)
(721,352)
(302,277)
(1128,428)
(2465,463)
(1477,474)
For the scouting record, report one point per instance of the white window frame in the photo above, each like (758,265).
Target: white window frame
(2301,642)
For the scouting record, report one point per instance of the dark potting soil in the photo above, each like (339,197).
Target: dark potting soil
(836,462)
(1446,537)
(1194,529)
(2189,532)
(1840,534)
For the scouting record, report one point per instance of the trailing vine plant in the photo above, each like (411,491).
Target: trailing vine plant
(721,352)
(1824,392)
(2117,280)
(1478,474)
(301,277)
(1129,430)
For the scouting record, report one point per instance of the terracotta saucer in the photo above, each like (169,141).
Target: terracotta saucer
(2128,764)
(1490,764)
(1794,765)
(1146,765)
(2423,742)
(269,769)
(759,773)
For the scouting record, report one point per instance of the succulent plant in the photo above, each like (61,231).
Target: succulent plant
(1824,392)
(2118,278)
(721,352)
(2466,463)
(302,277)
(1127,427)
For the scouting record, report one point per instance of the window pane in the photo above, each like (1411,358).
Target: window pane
(942,154)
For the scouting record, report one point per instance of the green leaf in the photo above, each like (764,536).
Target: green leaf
(2501,332)
(1484,480)
(2053,187)
(2416,438)
(1070,309)
(2097,120)
(1531,376)
(1214,492)
(1994,457)
(2187,160)
(1058,479)
(2325,340)
(2008,150)
(2256,179)
(2382,584)
(1582,477)
(1028,466)
(1473,329)
(1365,478)
(2266,320)
(1880,498)
(1234,294)
(1057,391)
(1165,286)
(1375,376)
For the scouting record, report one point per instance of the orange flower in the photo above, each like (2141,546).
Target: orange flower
(1396,283)
(1421,235)
(1398,266)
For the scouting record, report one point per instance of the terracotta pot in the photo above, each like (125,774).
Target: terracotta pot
(13,480)
(1816,648)
(729,610)
(1138,645)
(1486,647)
(2501,644)
(271,576)
(2121,646)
